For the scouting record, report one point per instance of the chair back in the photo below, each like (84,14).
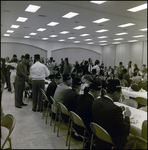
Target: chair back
(76,119)
(101,133)
(44,94)
(53,100)
(8,122)
(130,102)
(63,109)
(144,129)
(141,101)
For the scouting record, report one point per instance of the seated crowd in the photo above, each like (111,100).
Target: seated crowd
(88,89)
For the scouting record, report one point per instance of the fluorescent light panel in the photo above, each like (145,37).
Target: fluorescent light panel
(138,8)
(118,39)
(102,37)
(71,38)
(101,20)
(126,25)
(87,39)
(98,2)
(44,38)
(32,33)
(10,31)
(102,41)
(79,27)
(90,43)
(6,34)
(64,32)
(61,40)
(21,19)
(76,42)
(84,34)
(116,42)
(145,29)
(14,26)
(53,35)
(122,33)
(103,30)
(133,41)
(26,36)
(41,29)
(70,15)
(103,44)
(137,36)
(53,23)
(32,8)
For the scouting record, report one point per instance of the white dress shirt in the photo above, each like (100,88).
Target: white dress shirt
(39,71)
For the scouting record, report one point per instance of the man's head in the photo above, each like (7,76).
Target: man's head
(76,83)
(67,79)
(114,88)
(37,57)
(27,58)
(58,78)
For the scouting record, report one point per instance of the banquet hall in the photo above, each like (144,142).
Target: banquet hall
(104,35)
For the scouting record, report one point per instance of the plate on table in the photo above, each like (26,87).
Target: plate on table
(133,120)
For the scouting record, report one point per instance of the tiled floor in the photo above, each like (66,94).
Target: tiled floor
(30,131)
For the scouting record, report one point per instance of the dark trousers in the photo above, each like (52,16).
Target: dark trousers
(36,92)
(19,88)
(8,81)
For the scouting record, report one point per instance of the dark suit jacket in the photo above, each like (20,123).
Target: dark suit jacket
(109,116)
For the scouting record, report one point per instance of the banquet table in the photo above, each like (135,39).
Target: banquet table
(128,92)
(137,117)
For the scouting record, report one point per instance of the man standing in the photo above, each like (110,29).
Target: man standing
(109,116)
(38,72)
(21,77)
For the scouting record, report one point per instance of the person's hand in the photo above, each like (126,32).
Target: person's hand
(127,112)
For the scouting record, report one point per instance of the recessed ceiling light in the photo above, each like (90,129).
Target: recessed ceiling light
(122,33)
(21,19)
(14,26)
(26,36)
(133,41)
(6,34)
(79,27)
(70,15)
(44,38)
(10,31)
(64,32)
(103,30)
(32,33)
(87,39)
(101,20)
(32,8)
(138,8)
(137,36)
(116,42)
(118,39)
(98,2)
(145,29)
(102,37)
(41,29)
(84,34)
(76,42)
(126,25)
(90,43)
(102,41)
(71,38)
(61,40)
(53,36)
(52,23)
(103,44)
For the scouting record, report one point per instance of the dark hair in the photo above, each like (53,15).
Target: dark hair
(120,63)
(124,70)
(14,60)
(97,62)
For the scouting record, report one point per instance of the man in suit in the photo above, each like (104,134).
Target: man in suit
(109,116)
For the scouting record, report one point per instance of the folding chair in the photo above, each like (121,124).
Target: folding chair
(76,119)
(8,122)
(141,101)
(27,92)
(63,110)
(46,110)
(144,129)
(101,134)
(130,102)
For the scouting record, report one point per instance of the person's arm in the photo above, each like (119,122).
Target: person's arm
(47,72)
(22,71)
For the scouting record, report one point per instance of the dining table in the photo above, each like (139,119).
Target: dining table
(136,119)
(128,92)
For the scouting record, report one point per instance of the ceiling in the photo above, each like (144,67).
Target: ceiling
(50,11)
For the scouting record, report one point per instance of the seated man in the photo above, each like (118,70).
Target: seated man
(109,116)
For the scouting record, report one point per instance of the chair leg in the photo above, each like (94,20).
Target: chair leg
(55,121)
(9,139)
(68,131)
(84,138)
(91,141)
(47,113)
(59,125)
(51,118)
(70,135)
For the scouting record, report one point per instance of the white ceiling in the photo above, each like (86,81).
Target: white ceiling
(116,11)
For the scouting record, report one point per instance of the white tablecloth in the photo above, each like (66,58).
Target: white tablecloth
(137,117)
(127,92)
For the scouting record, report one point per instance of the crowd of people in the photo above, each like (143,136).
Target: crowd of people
(87,88)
